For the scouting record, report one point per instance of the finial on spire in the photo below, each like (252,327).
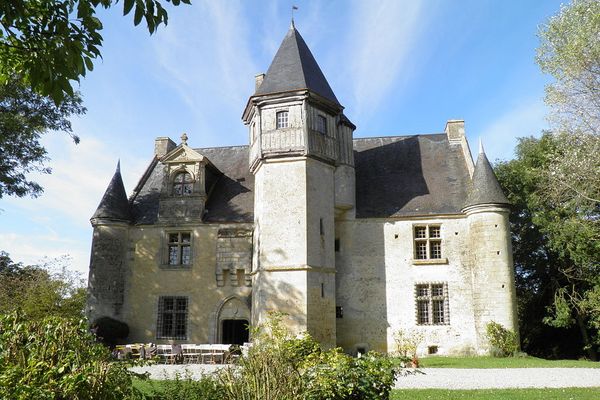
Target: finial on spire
(119,166)
(292,26)
(184,138)
(481,151)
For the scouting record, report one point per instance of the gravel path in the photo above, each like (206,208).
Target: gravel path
(436,378)
(506,378)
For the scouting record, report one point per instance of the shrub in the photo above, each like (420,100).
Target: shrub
(110,331)
(279,366)
(332,375)
(503,342)
(57,358)
(407,343)
(181,388)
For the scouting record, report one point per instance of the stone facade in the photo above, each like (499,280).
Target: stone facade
(353,239)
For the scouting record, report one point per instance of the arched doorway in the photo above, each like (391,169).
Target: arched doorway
(232,321)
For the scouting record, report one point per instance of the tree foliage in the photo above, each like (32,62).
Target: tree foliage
(57,358)
(49,44)
(40,291)
(24,116)
(557,260)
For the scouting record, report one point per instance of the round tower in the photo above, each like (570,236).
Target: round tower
(487,210)
(106,282)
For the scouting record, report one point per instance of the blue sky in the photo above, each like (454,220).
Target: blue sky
(398,67)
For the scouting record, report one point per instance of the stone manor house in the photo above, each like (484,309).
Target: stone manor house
(353,238)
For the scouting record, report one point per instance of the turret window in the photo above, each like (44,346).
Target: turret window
(183,184)
(282,119)
(322,124)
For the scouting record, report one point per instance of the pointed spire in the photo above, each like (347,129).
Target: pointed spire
(485,188)
(295,68)
(114,204)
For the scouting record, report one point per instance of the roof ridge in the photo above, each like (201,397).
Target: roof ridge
(400,136)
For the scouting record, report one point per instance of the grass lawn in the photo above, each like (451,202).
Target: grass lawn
(508,362)
(492,394)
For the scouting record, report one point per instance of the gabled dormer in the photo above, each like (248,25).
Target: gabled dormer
(188,178)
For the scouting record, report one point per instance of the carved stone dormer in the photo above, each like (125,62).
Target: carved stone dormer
(185,188)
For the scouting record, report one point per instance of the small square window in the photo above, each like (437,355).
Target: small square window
(282,119)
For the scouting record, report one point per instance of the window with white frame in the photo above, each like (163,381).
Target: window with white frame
(179,249)
(428,242)
(183,184)
(282,119)
(432,303)
(322,124)
(172,317)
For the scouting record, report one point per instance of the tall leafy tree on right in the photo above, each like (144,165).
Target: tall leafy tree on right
(554,186)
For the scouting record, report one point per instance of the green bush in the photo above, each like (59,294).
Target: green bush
(57,358)
(279,366)
(503,342)
(181,388)
(333,375)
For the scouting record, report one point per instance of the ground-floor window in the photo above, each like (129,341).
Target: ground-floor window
(432,303)
(172,317)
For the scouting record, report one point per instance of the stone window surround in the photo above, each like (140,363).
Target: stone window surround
(165,264)
(430,298)
(427,239)
(282,119)
(160,317)
(173,176)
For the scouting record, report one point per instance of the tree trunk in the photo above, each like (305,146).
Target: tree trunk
(589,346)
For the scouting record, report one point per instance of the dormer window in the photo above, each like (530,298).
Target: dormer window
(282,119)
(322,124)
(183,184)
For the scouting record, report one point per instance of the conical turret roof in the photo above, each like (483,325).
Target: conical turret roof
(485,188)
(295,68)
(114,204)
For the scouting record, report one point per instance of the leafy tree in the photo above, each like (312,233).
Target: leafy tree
(49,44)
(570,52)
(556,262)
(38,292)
(24,116)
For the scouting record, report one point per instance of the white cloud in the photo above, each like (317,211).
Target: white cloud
(206,57)
(36,249)
(382,42)
(525,118)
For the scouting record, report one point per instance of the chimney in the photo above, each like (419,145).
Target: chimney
(455,129)
(258,80)
(163,145)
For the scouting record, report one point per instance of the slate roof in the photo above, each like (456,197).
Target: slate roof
(231,199)
(409,175)
(395,176)
(294,68)
(114,204)
(485,188)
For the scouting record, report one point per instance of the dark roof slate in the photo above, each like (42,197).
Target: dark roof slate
(484,188)
(409,175)
(395,176)
(114,204)
(294,68)
(231,198)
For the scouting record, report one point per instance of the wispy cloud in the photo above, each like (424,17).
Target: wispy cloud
(526,118)
(214,76)
(382,41)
